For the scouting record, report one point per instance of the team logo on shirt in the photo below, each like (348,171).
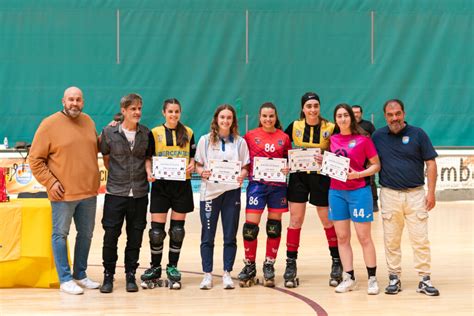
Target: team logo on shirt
(405,139)
(341,152)
(298,133)
(257,140)
(352,143)
(280,142)
(326,134)
(160,138)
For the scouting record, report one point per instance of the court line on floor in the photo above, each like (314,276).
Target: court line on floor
(319,310)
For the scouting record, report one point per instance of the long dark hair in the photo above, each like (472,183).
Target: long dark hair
(269,105)
(182,137)
(311,96)
(234,128)
(355,128)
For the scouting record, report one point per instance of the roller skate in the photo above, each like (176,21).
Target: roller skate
(269,273)
(247,275)
(290,273)
(336,272)
(174,277)
(151,278)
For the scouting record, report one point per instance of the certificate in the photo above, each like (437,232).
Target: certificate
(165,168)
(303,159)
(269,169)
(224,171)
(336,167)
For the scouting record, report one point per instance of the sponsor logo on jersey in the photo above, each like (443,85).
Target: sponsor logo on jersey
(257,140)
(405,139)
(326,134)
(352,143)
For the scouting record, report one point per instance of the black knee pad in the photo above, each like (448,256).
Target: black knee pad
(177,233)
(250,231)
(157,235)
(273,228)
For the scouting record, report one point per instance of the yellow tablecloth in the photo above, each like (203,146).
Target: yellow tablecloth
(35,265)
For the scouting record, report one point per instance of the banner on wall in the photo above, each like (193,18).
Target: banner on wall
(455,172)
(19,177)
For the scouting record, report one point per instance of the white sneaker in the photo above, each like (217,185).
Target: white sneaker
(227,281)
(71,287)
(88,283)
(206,283)
(373,286)
(347,284)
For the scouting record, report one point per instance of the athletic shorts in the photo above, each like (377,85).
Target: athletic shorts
(260,195)
(356,205)
(315,185)
(169,194)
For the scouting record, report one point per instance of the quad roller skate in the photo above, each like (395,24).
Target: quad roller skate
(247,275)
(269,273)
(151,278)
(290,273)
(336,272)
(174,277)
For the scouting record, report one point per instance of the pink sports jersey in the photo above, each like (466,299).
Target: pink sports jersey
(265,144)
(358,148)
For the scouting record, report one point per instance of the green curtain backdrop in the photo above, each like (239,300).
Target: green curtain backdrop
(206,53)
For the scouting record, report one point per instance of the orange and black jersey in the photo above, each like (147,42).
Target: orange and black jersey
(164,144)
(304,135)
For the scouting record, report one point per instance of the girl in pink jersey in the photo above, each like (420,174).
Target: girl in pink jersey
(352,200)
(269,141)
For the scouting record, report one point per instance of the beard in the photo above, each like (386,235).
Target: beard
(72,112)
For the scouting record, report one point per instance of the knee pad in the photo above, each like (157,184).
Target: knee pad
(177,233)
(250,231)
(273,228)
(157,235)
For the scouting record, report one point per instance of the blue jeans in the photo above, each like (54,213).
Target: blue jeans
(228,205)
(83,212)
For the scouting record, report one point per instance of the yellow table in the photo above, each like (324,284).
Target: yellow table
(26,254)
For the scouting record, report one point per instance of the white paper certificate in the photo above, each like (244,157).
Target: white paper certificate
(336,167)
(303,159)
(165,168)
(269,169)
(224,171)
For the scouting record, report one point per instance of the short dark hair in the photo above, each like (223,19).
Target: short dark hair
(396,101)
(129,99)
(358,107)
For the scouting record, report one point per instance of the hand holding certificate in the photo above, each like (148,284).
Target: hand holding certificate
(269,169)
(303,159)
(165,168)
(224,171)
(336,167)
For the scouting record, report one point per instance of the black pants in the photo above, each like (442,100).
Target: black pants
(373,187)
(116,209)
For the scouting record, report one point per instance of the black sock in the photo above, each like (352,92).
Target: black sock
(352,274)
(156,257)
(334,252)
(292,254)
(371,271)
(175,246)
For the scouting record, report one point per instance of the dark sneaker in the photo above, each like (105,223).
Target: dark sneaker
(131,284)
(108,284)
(394,285)
(426,287)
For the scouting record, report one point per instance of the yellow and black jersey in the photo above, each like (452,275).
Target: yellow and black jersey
(304,135)
(165,144)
